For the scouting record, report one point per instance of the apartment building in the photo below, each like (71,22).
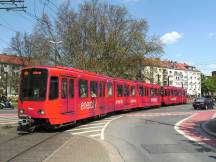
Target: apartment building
(10,66)
(174,74)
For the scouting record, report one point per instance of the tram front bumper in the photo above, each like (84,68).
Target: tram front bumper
(25,123)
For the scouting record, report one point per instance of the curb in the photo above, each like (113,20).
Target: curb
(208,131)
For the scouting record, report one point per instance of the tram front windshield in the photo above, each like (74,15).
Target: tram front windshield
(33,84)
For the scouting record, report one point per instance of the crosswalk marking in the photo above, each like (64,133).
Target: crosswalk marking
(93,129)
(8,119)
(95,135)
(83,128)
(97,130)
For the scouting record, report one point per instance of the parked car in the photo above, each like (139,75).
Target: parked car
(203,103)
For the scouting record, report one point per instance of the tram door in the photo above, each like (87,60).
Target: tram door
(67,95)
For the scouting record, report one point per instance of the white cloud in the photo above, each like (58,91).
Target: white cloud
(171,38)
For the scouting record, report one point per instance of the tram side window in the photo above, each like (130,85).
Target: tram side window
(119,90)
(133,91)
(152,91)
(162,92)
(155,92)
(64,88)
(141,91)
(53,92)
(100,89)
(71,88)
(110,89)
(94,89)
(83,88)
(146,92)
(126,90)
(166,92)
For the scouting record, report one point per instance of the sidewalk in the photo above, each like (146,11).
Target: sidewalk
(83,149)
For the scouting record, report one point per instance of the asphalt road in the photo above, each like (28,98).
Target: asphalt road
(142,136)
(137,136)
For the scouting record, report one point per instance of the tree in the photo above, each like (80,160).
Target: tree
(34,49)
(208,84)
(99,37)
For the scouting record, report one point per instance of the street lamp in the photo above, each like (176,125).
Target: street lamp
(55,44)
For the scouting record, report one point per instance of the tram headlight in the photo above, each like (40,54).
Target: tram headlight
(21,111)
(42,112)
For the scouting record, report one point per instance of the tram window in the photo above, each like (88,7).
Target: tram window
(83,88)
(133,91)
(152,91)
(141,91)
(146,92)
(71,88)
(155,92)
(120,90)
(162,92)
(110,89)
(94,89)
(102,89)
(174,93)
(126,90)
(53,92)
(166,92)
(64,88)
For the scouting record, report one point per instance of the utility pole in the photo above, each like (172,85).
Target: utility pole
(12,5)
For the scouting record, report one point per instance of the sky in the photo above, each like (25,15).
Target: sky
(186,27)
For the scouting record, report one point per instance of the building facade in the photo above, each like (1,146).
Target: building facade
(10,66)
(173,74)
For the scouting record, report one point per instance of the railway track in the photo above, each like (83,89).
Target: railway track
(24,147)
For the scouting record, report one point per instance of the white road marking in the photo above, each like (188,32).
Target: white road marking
(95,135)
(96,124)
(104,120)
(97,130)
(177,128)
(103,130)
(8,123)
(8,119)
(214,116)
(83,128)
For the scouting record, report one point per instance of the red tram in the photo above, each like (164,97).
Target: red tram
(54,96)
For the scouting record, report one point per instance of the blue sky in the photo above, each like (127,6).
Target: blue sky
(187,27)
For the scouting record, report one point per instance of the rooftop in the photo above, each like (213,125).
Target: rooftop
(12,59)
